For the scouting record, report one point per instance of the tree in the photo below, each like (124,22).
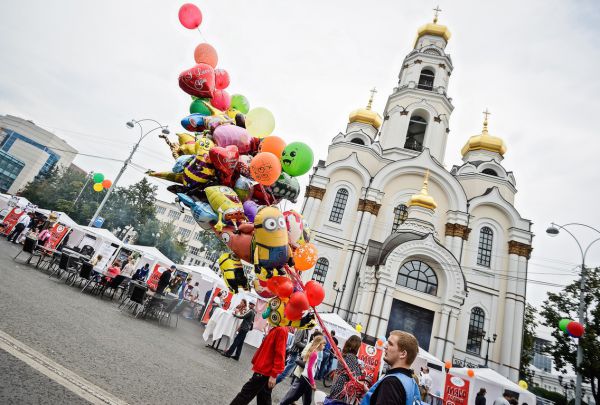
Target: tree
(564,349)
(529,325)
(210,243)
(162,235)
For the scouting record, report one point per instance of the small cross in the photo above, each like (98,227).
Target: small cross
(486,113)
(437,10)
(372,91)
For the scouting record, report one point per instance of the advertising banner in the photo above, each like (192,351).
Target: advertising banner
(154,276)
(57,233)
(456,391)
(11,219)
(372,358)
(226,303)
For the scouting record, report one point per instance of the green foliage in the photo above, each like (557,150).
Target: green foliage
(564,350)
(529,326)
(556,397)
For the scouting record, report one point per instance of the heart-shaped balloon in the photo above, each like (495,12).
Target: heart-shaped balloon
(221,81)
(198,81)
(225,160)
(221,100)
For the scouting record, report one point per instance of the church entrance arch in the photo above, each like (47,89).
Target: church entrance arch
(412,319)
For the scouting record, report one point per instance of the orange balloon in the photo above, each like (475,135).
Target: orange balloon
(471,373)
(448,364)
(305,257)
(106,184)
(265,168)
(273,144)
(205,53)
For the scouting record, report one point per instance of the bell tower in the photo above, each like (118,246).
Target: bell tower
(418,111)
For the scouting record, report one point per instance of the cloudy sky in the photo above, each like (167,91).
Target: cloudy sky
(82,69)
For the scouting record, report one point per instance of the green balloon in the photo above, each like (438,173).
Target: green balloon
(240,103)
(98,177)
(562,325)
(297,159)
(198,107)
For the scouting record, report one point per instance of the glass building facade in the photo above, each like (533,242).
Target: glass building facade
(8,139)
(10,168)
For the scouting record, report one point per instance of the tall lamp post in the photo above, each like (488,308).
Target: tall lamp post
(553,230)
(337,292)
(130,124)
(489,342)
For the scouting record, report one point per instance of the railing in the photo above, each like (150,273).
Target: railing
(456,362)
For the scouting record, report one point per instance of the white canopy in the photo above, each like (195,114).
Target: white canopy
(437,374)
(66,220)
(102,233)
(205,273)
(494,383)
(343,330)
(151,252)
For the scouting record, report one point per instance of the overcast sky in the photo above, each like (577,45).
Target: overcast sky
(82,69)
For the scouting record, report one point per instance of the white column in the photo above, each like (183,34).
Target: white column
(375,312)
(385,311)
(450,336)
(508,334)
(518,317)
(311,210)
(442,330)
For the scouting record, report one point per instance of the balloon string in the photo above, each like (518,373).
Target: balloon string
(265,194)
(201,34)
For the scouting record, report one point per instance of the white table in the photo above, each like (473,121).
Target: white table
(222,323)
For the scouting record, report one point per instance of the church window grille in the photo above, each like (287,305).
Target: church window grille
(484,253)
(339,205)
(418,276)
(400,215)
(321,270)
(476,333)
(416,133)
(358,141)
(490,172)
(426,79)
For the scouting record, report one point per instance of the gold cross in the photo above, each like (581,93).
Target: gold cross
(372,91)
(437,10)
(486,113)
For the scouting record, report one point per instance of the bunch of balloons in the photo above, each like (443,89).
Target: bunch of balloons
(100,183)
(232,172)
(571,328)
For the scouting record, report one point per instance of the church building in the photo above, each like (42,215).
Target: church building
(406,244)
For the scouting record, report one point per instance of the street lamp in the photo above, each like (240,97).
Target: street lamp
(489,342)
(337,292)
(554,230)
(130,124)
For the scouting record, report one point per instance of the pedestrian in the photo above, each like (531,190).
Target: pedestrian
(397,387)
(513,401)
(23,223)
(480,398)
(218,302)
(43,237)
(267,364)
(241,308)
(327,357)
(298,345)
(235,349)
(128,269)
(304,386)
(425,382)
(142,273)
(301,363)
(503,400)
(350,356)
(163,281)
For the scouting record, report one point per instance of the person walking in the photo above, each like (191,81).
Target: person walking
(268,362)
(23,223)
(304,386)
(397,387)
(235,349)
(327,358)
(480,398)
(350,356)
(503,400)
(298,344)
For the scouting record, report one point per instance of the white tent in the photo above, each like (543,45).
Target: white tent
(152,254)
(66,220)
(436,370)
(494,383)
(343,330)
(102,240)
(205,273)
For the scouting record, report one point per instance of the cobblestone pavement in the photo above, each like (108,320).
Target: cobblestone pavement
(135,360)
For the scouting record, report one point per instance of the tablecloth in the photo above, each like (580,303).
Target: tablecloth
(222,323)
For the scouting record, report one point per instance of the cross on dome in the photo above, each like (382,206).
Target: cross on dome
(372,91)
(486,114)
(437,10)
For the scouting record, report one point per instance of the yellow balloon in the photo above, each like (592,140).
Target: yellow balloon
(98,187)
(232,112)
(358,327)
(523,384)
(260,122)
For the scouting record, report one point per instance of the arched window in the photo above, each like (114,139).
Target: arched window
(357,141)
(416,133)
(426,79)
(476,333)
(400,214)
(491,172)
(321,270)
(417,276)
(339,205)
(484,253)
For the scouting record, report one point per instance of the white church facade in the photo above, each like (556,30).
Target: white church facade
(406,244)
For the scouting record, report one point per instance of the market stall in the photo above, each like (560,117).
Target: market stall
(494,383)
(101,240)
(436,370)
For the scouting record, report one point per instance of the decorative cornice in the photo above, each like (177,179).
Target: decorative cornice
(461,231)
(369,206)
(519,249)
(315,192)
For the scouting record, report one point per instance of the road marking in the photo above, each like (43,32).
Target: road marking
(56,372)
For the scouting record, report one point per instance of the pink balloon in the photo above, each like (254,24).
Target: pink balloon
(225,135)
(221,100)
(221,79)
(190,16)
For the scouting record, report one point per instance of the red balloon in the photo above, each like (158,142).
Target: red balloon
(292,313)
(198,81)
(106,184)
(221,79)
(575,329)
(314,292)
(221,100)
(190,16)
(281,286)
(224,160)
(299,301)
(206,53)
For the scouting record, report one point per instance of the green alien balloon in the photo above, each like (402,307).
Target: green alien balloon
(297,159)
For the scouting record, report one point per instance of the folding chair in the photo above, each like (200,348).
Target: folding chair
(169,309)
(62,265)
(28,247)
(152,307)
(85,273)
(136,295)
(73,267)
(113,285)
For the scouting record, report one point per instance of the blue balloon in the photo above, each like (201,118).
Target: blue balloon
(181,163)
(194,122)
(201,211)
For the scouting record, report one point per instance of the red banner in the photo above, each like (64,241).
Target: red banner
(57,233)
(226,303)
(154,276)
(11,219)
(371,356)
(456,391)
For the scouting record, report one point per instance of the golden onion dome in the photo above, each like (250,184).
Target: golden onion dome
(423,199)
(484,141)
(435,29)
(366,115)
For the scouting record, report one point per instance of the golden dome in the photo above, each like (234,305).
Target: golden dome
(366,115)
(435,29)
(423,199)
(485,141)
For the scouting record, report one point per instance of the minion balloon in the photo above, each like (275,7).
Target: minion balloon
(274,314)
(233,273)
(270,240)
